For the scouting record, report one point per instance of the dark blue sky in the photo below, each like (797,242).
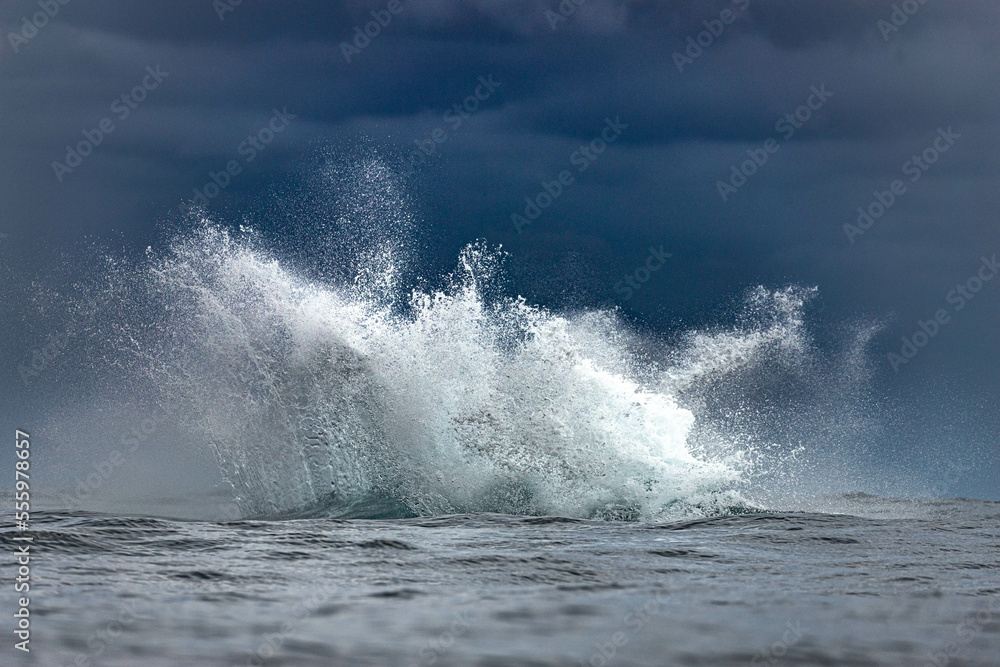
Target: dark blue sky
(739,137)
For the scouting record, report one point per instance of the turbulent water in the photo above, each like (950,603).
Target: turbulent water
(344,401)
(912,583)
(435,472)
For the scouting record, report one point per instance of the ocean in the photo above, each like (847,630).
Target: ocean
(879,582)
(445,475)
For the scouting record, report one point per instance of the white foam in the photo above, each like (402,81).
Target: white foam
(338,397)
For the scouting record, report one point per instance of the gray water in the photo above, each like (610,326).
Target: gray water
(392,465)
(866,581)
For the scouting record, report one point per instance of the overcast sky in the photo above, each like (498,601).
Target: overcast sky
(873,85)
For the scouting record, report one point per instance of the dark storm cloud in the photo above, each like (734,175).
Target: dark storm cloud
(606,58)
(561,78)
(263,50)
(563,72)
(786,22)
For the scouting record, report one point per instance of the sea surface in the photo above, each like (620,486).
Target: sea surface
(398,471)
(868,581)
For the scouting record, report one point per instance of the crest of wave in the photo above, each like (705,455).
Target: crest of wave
(333,400)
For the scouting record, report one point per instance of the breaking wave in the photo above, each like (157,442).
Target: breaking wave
(344,400)
(325,384)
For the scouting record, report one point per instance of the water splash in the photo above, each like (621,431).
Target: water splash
(335,399)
